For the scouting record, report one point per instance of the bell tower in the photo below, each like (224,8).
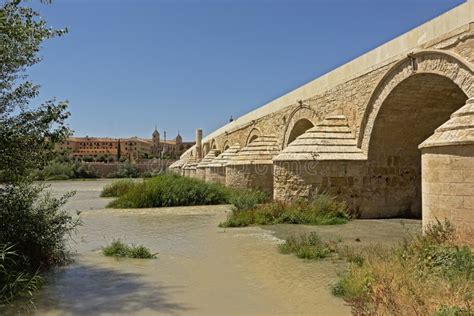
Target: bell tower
(156,137)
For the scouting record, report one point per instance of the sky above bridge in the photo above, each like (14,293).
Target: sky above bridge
(128,65)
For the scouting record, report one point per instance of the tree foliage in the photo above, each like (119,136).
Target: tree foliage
(32,225)
(27,133)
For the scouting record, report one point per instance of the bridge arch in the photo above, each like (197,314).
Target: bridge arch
(417,96)
(213,144)
(226,146)
(437,62)
(299,121)
(253,135)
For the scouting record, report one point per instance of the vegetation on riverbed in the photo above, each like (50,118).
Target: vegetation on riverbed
(169,189)
(323,209)
(431,274)
(249,207)
(306,246)
(119,249)
(117,188)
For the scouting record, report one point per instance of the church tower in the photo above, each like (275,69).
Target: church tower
(155,148)
(156,137)
(179,139)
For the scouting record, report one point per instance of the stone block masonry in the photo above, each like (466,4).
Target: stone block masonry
(448,172)
(355,131)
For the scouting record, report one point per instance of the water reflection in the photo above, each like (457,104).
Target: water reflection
(86,289)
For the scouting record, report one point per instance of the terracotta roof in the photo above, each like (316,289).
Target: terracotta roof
(135,139)
(90,139)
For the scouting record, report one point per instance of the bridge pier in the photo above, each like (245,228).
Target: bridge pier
(448,173)
(201,167)
(323,159)
(252,167)
(215,171)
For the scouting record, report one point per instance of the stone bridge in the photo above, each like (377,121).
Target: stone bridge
(391,132)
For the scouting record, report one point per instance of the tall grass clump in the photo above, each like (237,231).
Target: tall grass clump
(246,199)
(323,209)
(306,246)
(172,190)
(431,274)
(119,249)
(117,188)
(15,282)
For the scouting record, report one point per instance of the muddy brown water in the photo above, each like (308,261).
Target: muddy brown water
(201,269)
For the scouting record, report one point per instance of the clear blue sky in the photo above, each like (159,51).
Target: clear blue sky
(126,66)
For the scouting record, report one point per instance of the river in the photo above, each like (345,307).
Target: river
(200,269)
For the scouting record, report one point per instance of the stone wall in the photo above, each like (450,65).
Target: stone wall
(256,176)
(215,174)
(187,172)
(201,173)
(448,186)
(345,179)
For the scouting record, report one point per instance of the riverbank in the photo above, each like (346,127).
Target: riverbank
(201,269)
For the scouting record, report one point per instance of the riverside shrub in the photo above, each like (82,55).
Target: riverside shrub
(125,170)
(431,274)
(64,170)
(34,224)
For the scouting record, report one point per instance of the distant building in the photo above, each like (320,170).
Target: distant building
(133,148)
(130,148)
(168,148)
